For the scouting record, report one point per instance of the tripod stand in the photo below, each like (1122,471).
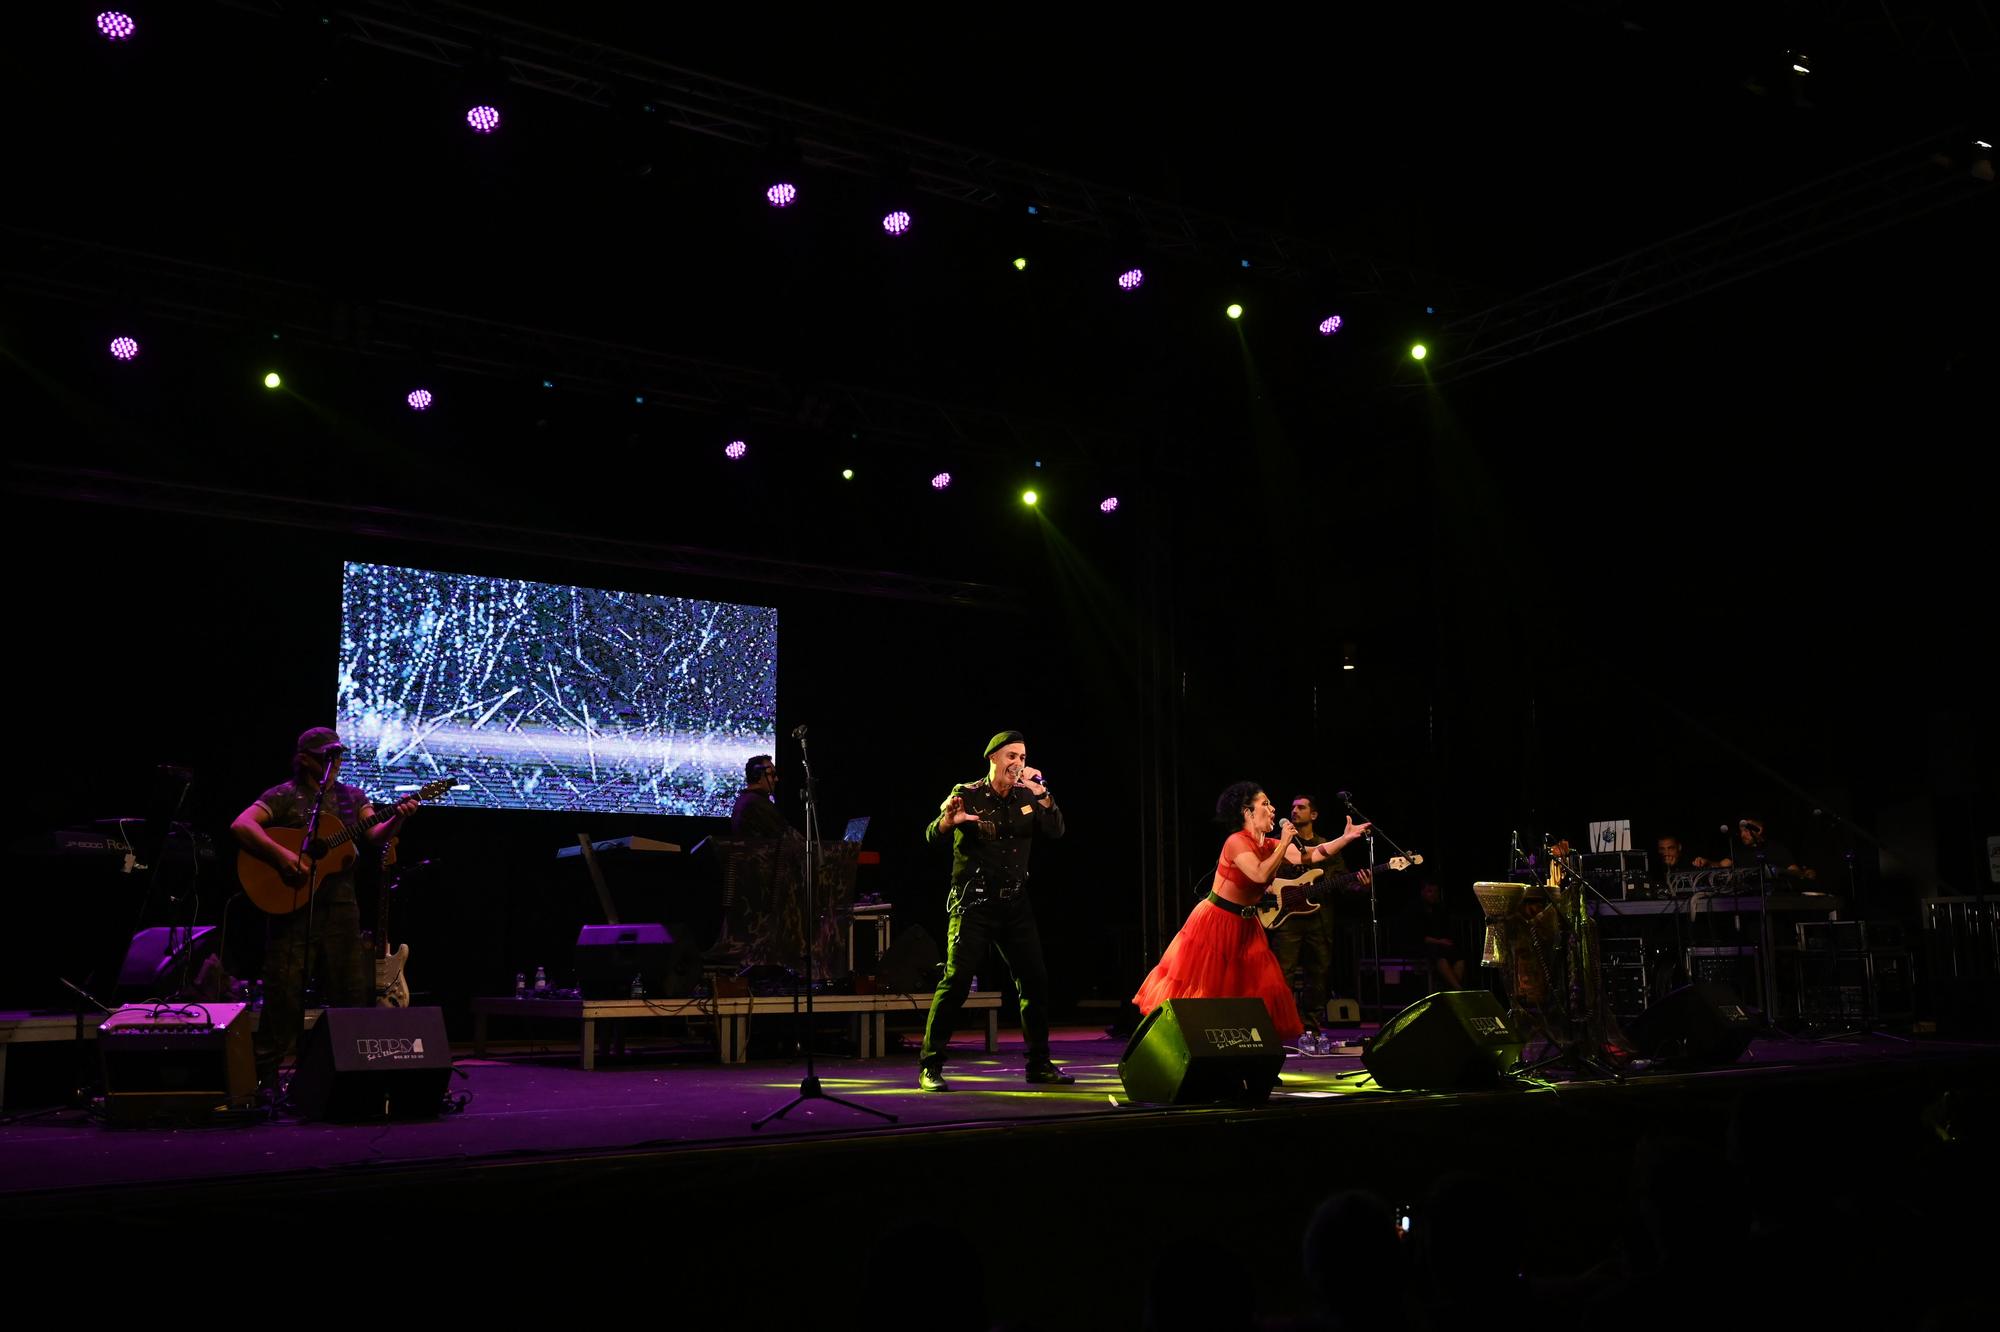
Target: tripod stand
(809,1088)
(1588,1025)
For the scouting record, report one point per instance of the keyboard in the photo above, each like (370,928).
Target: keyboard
(635,844)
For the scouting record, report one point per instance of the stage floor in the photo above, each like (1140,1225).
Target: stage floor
(530,1102)
(1050,1208)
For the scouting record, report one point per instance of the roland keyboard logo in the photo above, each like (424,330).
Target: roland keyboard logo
(373,1048)
(1234,1038)
(1488,1026)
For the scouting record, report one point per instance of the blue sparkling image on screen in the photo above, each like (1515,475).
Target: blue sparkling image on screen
(538,696)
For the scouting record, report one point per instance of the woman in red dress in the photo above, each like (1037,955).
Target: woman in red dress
(1221,953)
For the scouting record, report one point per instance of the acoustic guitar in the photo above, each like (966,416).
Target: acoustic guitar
(331,853)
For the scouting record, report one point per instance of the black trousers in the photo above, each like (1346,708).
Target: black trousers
(1304,949)
(1007,927)
(345,972)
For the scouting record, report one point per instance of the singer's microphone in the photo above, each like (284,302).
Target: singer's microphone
(799,731)
(1725,828)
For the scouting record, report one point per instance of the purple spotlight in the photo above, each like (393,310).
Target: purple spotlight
(116,26)
(124,348)
(1110,505)
(1130,279)
(941,480)
(419,399)
(1329,325)
(483,119)
(896,223)
(736,449)
(782,195)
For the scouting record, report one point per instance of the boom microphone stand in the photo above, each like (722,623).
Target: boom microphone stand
(1374,916)
(314,848)
(1583,1052)
(809,1088)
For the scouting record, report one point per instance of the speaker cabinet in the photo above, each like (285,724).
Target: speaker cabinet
(911,964)
(155,956)
(1188,1051)
(1703,1023)
(1451,1039)
(373,1063)
(610,957)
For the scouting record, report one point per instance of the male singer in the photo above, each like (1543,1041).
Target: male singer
(992,825)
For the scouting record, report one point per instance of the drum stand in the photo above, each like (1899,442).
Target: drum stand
(1582,1053)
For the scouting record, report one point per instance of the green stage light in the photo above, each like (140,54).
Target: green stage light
(1418,352)
(847,473)
(1234,311)
(1020,265)
(271,380)
(1030,498)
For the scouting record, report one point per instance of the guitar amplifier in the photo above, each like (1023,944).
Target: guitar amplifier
(177,1062)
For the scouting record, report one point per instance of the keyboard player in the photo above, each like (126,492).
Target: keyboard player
(1758,849)
(755,813)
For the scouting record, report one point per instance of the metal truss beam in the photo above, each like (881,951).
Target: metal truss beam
(1895,187)
(132,492)
(74,271)
(463,36)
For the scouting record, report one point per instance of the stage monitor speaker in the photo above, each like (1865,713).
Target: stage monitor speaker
(178,1062)
(1703,1023)
(911,964)
(1189,1051)
(155,954)
(373,1063)
(1451,1039)
(610,957)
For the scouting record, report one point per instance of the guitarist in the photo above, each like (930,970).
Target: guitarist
(1304,944)
(345,971)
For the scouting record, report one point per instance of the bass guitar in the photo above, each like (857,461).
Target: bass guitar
(1286,898)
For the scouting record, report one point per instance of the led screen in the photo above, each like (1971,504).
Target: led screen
(541,696)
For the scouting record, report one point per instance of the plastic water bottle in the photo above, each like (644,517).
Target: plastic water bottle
(541,982)
(520,986)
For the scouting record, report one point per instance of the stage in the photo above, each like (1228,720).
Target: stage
(657,1146)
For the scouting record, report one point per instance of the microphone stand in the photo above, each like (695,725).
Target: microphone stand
(1583,1052)
(309,963)
(1374,916)
(809,1088)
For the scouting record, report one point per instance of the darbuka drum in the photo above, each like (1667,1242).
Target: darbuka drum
(1497,901)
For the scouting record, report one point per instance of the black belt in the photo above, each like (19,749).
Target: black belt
(1233,908)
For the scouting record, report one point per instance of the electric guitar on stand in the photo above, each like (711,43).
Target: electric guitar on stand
(332,852)
(392,980)
(1286,898)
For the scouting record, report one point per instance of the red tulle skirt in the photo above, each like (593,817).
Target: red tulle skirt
(1221,955)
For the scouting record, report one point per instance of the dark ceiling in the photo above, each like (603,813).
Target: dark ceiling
(1474,158)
